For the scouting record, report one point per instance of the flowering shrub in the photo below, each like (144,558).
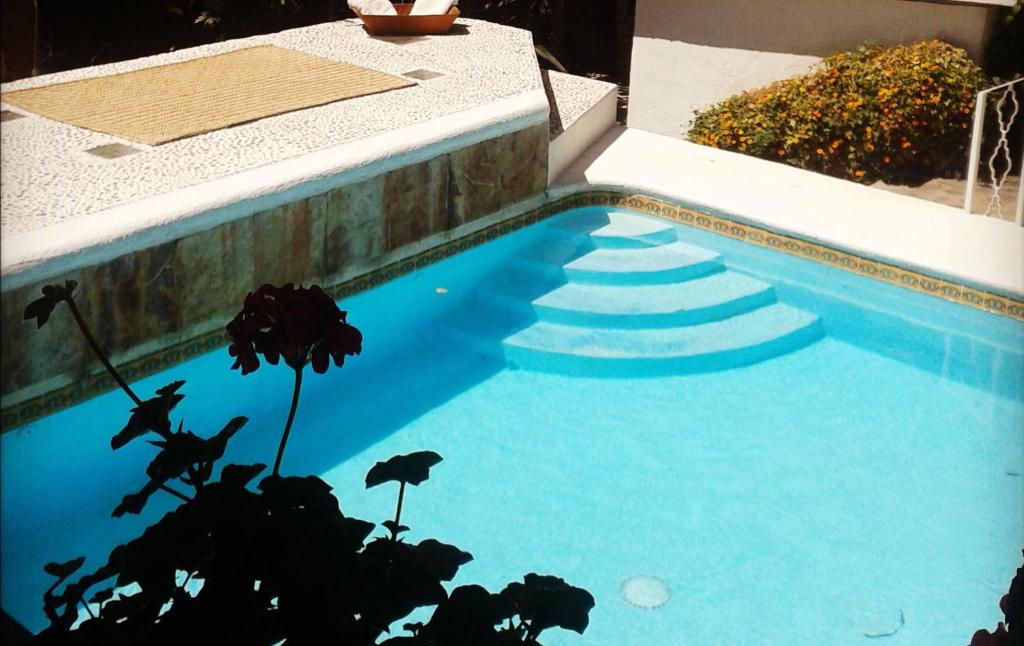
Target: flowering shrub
(900,115)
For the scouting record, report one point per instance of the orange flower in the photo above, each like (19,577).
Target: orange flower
(886,159)
(859,173)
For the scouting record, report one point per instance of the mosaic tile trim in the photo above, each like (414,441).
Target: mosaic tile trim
(51,402)
(909,279)
(100,383)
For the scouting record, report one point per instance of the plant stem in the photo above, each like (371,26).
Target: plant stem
(291,418)
(122,383)
(99,353)
(175,493)
(87,608)
(398,511)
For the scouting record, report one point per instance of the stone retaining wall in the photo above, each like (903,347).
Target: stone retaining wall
(165,295)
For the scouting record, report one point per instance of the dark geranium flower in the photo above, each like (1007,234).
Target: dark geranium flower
(297,323)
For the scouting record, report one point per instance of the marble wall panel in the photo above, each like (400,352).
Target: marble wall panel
(491,175)
(414,202)
(133,298)
(288,242)
(150,301)
(355,231)
(222,257)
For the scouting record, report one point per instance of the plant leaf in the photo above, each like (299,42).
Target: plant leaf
(152,415)
(548,601)
(468,617)
(65,569)
(102,595)
(41,308)
(239,475)
(441,559)
(133,503)
(412,469)
(394,529)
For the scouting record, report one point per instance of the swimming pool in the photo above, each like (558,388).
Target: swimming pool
(791,453)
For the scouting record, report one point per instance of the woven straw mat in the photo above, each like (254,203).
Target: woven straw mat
(160,104)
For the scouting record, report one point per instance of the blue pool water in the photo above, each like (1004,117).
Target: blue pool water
(790,454)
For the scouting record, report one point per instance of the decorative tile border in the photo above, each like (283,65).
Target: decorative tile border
(909,279)
(79,391)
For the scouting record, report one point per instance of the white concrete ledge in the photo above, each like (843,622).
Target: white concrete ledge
(931,238)
(90,239)
(582,109)
(63,209)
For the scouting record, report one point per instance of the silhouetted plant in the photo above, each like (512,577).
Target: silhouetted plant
(294,323)
(281,563)
(1010,631)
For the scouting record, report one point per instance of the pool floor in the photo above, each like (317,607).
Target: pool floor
(812,499)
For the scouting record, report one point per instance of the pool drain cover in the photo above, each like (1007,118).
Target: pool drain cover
(645,592)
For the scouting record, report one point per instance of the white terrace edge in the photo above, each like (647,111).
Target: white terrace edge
(88,240)
(931,238)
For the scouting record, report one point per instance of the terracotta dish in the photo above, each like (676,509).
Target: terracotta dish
(405,25)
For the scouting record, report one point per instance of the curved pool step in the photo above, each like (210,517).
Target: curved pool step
(669,263)
(740,340)
(616,229)
(701,300)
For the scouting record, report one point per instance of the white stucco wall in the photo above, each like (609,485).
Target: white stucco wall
(690,54)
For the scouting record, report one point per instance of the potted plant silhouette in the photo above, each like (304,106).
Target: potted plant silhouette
(277,562)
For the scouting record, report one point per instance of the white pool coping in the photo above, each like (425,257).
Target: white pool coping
(62,209)
(916,234)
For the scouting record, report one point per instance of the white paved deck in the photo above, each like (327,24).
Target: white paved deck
(906,231)
(56,199)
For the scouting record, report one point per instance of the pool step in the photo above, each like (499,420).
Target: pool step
(549,297)
(700,300)
(740,340)
(668,263)
(615,294)
(616,229)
